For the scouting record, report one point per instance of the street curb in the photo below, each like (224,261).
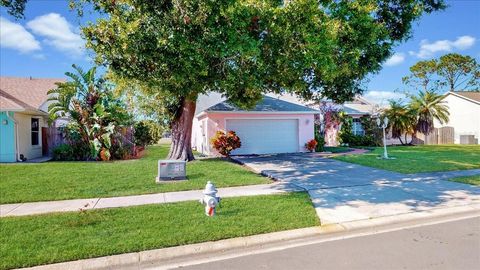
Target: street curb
(136,259)
(413,216)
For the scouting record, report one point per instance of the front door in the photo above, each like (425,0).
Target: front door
(44,141)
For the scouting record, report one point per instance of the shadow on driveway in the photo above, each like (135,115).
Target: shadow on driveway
(343,192)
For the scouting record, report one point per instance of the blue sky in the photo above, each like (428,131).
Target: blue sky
(46,43)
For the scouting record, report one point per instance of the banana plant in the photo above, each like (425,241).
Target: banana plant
(88,101)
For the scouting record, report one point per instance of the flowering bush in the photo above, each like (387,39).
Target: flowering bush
(310,145)
(225,143)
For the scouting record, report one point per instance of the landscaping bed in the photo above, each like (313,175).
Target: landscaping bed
(337,149)
(427,158)
(44,239)
(22,182)
(471,180)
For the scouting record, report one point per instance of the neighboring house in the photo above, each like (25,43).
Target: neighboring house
(272,126)
(464,108)
(358,108)
(23,117)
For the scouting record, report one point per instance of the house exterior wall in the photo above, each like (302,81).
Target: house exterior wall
(205,127)
(464,117)
(7,137)
(24,135)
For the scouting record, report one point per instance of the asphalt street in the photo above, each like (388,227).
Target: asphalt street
(450,245)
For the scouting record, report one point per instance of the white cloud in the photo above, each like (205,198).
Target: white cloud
(15,36)
(395,59)
(57,32)
(428,49)
(382,97)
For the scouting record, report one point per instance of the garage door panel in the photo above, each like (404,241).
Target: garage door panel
(264,136)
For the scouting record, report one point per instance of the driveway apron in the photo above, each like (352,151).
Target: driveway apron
(343,192)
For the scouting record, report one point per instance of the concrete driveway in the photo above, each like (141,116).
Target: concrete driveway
(343,192)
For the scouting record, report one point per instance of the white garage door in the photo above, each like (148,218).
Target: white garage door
(265,136)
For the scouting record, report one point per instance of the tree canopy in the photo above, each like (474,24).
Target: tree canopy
(459,72)
(453,72)
(245,48)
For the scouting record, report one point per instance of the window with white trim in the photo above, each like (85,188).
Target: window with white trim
(357,128)
(35,131)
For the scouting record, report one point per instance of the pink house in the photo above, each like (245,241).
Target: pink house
(272,126)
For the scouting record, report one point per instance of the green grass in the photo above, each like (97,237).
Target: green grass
(428,158)
(45,239)
(471,180)
(69,180)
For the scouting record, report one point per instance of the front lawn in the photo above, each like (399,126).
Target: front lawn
(471,180)
(68,180)
(45,239)
(427,158)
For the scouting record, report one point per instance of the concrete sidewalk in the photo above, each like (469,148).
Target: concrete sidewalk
(34,208)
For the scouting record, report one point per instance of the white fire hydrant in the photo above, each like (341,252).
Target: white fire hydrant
(210,200)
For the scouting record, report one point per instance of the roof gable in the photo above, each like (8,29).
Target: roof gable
(18,94)
(467,95)
(267,104)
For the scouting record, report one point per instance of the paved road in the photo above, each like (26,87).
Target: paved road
(452,245)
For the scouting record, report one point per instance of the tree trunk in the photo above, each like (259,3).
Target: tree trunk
(414,136)
(181,148)
(400,139)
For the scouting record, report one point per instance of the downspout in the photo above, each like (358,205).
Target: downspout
(16,136)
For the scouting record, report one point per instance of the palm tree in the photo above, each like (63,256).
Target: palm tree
(402,120)
(428,106)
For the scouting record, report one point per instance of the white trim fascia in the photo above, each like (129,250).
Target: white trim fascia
(200,114)
(463,97)
(12,110)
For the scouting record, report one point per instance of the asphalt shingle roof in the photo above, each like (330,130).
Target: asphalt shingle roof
(267,104)
(24,93)
(469,94)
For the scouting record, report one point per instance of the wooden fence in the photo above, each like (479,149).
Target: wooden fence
(54,138)
(443,135)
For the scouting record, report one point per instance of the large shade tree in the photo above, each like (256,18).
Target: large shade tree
(423,75)
(452,71)
(459,72)
(243,48)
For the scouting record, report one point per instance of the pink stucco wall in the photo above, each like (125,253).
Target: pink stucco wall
(206,125)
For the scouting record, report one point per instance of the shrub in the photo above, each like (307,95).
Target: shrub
(142,134)
(311,145)
(320,142)
(147,132)
(357,140)
(63,152)
(226,143)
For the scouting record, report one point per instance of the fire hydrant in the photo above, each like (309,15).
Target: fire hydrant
(210,200)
